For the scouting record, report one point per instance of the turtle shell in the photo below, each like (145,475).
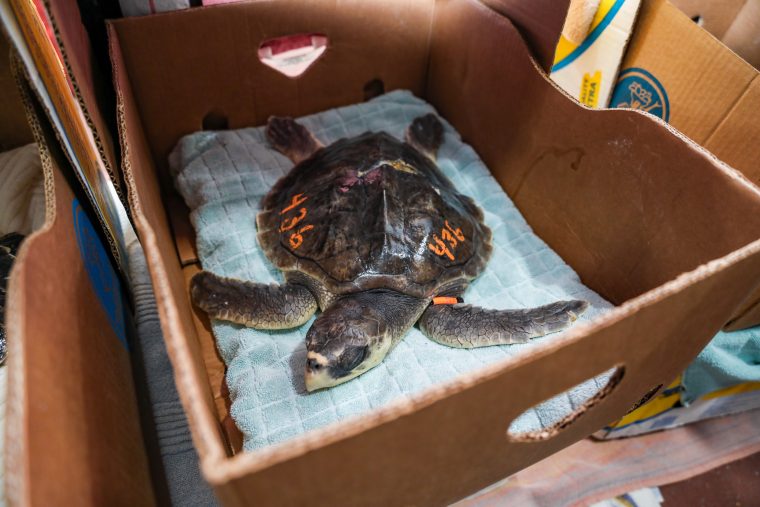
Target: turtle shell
(372,212)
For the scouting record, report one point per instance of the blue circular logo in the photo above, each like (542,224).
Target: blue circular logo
(102,275)
(638,89)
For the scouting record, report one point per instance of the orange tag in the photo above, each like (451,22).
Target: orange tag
(445,300)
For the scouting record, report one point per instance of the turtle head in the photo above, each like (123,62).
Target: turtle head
(345,341)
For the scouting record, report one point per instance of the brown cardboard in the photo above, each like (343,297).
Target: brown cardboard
(14,130)
(646,218)
(742,36)
(714,95)
(715,17)
(78,58)
(215,369)
(539,22)
(73,435)
(164,263)
(733,22)
(39,41)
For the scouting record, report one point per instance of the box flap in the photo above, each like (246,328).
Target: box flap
(539,22)
(72,409)
(79,60)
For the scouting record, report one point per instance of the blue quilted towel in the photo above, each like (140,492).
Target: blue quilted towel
(729,359)
(224,175)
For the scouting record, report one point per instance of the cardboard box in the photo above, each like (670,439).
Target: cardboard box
(733,22)
(66,88)
(665,411)
(647,218)
(682,74)
(73,435)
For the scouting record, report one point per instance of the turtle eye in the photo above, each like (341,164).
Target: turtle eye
(353,357)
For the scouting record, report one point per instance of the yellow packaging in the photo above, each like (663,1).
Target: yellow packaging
(586,67)
(666,411)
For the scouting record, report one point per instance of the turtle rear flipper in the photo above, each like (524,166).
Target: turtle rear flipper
(426,135)
(467,326)
(291,139)
(252,304)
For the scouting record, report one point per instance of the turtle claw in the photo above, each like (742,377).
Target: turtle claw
(576,308)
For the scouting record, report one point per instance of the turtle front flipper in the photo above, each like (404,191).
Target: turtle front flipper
(252,304)
(291,139)
(467,326)
(425,134)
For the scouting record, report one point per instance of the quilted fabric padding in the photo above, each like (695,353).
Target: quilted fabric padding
(224,175)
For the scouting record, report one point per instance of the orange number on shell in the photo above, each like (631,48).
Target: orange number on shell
(297,199)
(289,224)
(448,237)
(296,239)
(440,248)
(456,232)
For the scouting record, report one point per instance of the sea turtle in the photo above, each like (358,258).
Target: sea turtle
(371,232)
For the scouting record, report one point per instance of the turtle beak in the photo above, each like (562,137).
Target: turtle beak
(316,381)
(317,374)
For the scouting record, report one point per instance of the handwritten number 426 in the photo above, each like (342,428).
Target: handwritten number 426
(296,238)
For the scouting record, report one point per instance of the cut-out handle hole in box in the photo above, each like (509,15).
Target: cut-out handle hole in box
(524,429)
(292,55)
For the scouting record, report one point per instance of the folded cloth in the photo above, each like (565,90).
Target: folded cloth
(180,461)
(729,359)
(224,175)
(22,193)
(131,8)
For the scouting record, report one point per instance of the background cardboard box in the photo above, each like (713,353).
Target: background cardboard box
(648,219)
(73,435)
(736,23)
